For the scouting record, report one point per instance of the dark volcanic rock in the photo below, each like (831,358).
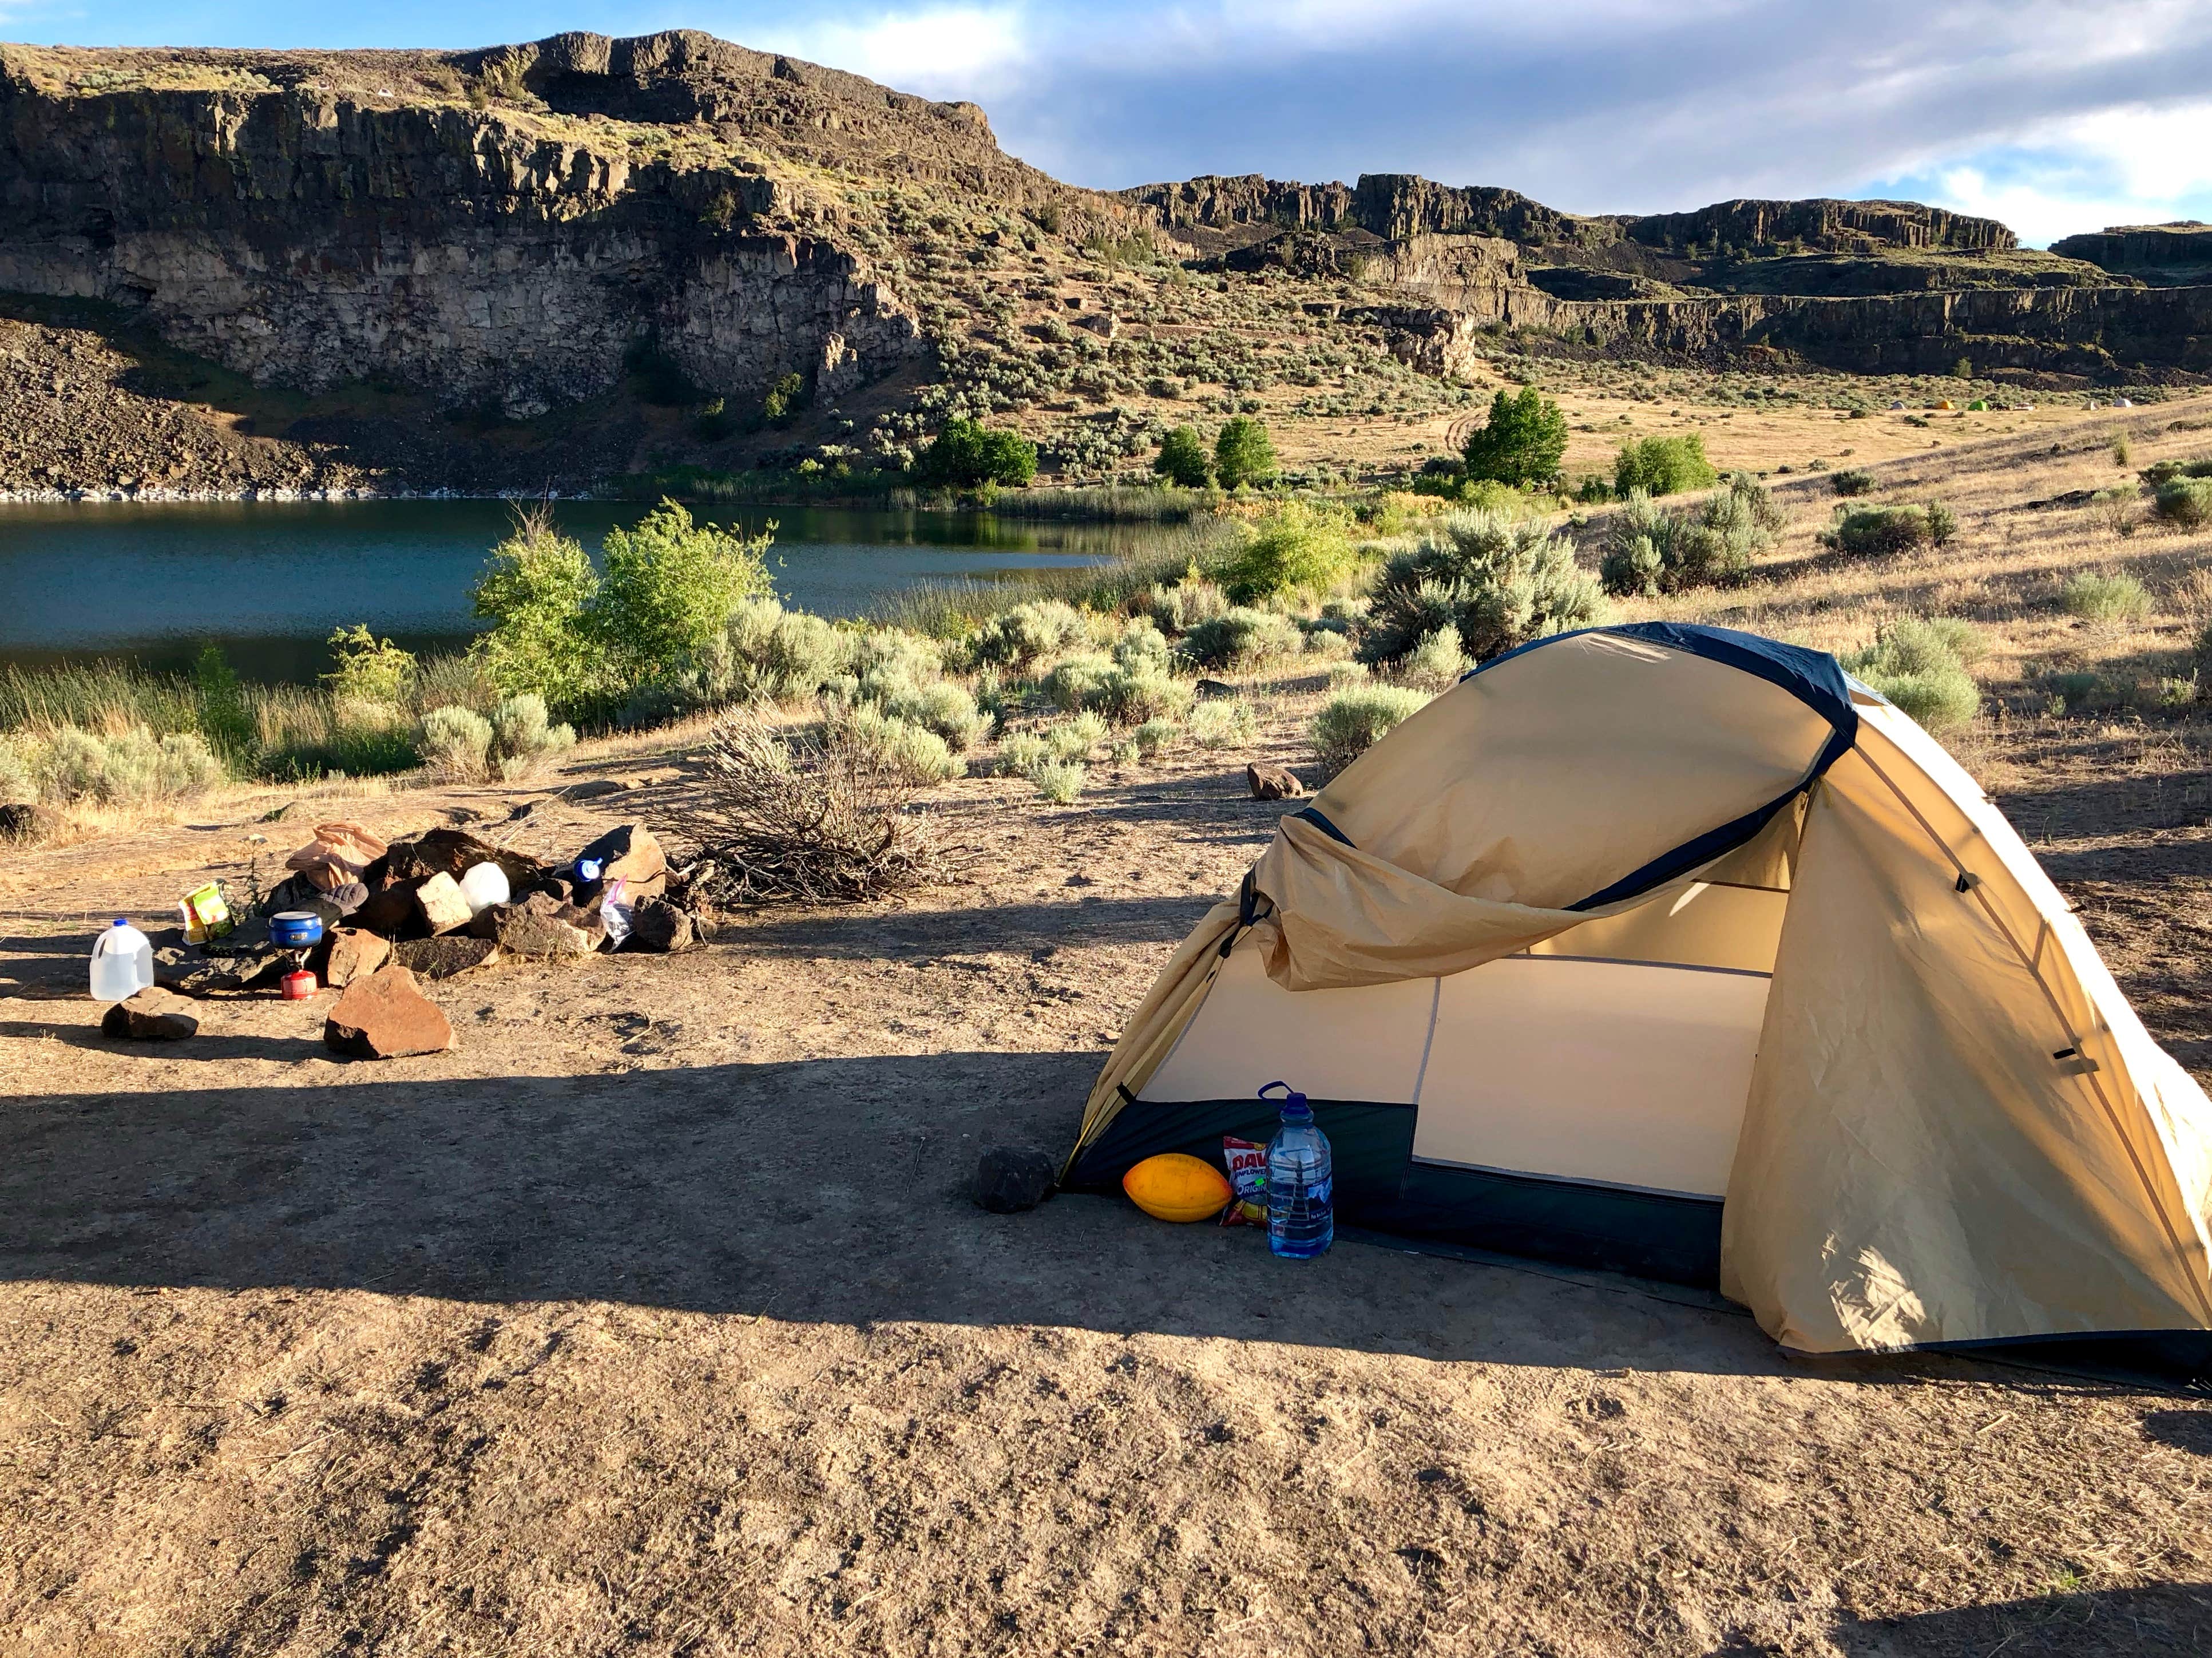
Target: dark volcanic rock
(444,956)
(542,927)
(152,1016)
(1273,782)
(384,1017)
(658,926)
(1010,1178)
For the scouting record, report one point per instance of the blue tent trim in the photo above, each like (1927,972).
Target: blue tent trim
(1814,676)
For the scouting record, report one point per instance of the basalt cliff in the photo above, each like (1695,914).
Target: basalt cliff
(587,255)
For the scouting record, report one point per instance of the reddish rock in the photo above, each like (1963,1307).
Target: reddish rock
(154,1014)
(348,954)
(384,1017)
(631,854)
(390,911)
(1273,782)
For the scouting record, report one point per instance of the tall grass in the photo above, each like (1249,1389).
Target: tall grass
(947,609)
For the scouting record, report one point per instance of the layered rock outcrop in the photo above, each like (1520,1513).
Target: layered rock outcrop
(307,238)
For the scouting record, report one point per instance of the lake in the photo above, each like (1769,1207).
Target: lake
(269,580)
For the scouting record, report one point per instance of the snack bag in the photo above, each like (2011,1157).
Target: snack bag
(1246,1161)
(206,916)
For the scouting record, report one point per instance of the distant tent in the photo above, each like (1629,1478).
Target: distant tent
(1673,950)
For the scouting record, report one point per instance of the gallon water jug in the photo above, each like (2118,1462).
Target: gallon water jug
(122,963)
(1301,1181)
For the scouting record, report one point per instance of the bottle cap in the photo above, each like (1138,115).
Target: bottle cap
(587,868)
(120,922)
(1294,1106)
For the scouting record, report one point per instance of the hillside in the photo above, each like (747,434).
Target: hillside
(553,263)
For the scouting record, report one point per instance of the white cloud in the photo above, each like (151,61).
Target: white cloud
(943,52)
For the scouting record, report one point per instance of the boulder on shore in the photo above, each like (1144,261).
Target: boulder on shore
(153,1015)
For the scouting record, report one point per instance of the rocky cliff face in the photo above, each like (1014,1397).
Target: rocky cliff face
(1820,226)
(306,238)
(1213,211)
(2156,252)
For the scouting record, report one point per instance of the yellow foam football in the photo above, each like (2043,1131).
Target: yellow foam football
(1174,1187)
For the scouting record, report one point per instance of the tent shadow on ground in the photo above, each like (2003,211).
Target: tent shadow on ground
(2129,1623)
(1045,924)
(829,1191)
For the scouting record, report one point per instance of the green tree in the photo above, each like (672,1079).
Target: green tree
(669,587)
(1664,466)
(1243,454)
(225,718)
(1182,460)
(368,669)
(1521,442)
(535,592)
(966,454)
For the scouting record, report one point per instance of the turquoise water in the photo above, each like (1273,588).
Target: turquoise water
(269,580)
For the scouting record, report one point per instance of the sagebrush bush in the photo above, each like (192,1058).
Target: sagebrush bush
(1019,637)
(1177,608)
(1850,480)
(1221,721)
(1496,583)
(1355,719)
(1293,550)
(1021,753)
(2185,502)
(18,784)
(1241,638)
(1876,532)
(130,766)
(1077,682)
(907,750)
(942,706)
(456,742)
(2099,597)
(524,737)
(1077,738)
(1059,781)
(1650,550)
(1153,735)
(1435,663)
(1920,664)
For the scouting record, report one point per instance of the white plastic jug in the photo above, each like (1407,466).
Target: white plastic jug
(122,963)
(484,885)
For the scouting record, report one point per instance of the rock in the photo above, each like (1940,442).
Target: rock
(546,929)
(1273,782)
(453,852)
(595,789)
(384,1017)
(26,820)
(1010,1179)
(658,926)
(444,956)
(152,1016)
(348,954)
(443,906)
(631,853)
(391,911)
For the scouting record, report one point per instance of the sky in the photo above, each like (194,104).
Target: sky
(2056,116)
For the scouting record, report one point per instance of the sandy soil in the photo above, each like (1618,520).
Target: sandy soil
(653,1320)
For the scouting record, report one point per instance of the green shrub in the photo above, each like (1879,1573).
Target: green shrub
(966,454)
(785,656)
(1664,466)
(1942,523)
(1241,638)
(1495,582)
(1920,664)
(1874,532)
(784,399)
(1293,550)
(1851,481)
(1077,682)
(19,785)
(1522,441)
(904,750)
(668,590)
(1142,645)
(1223,721)
(224,712)
(536,592)
(458,742)
(2159,473)
(1243,454)
(2098,598)
(367,669)
(2184,502)
(942,706)
(1059,781)
(1182,460)
(1354,720)
(1135,696)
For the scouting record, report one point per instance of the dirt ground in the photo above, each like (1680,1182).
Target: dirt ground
(654,1319)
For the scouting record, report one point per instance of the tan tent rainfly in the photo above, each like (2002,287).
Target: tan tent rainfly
(1671,949)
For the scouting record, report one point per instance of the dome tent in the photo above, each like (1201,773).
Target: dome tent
(1671,949)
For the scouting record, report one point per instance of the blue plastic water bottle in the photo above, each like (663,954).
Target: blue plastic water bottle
(1301,1181)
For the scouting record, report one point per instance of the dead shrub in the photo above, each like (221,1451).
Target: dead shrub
(810,816)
